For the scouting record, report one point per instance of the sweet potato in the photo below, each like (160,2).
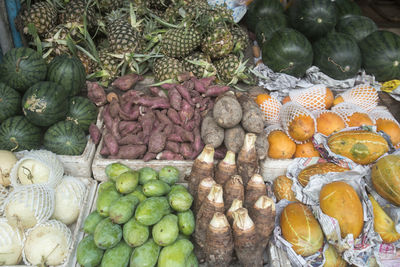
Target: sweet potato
(168,86)
(168,129)
(253,121)
(186,150)
(207,81)
(157,142)
(211,133)
(172,146)
(174,116)
(95,133)
(185,76)
(104,151)
(198,145)
(162,117)
(153,102)
(128,81)
(234,138)
(114,108)
(114,128)
(187,112)
(184,93)
(130,152)
(175,99)
(220,152)
(111,143)
(131,96)
(199,86)
(189,126)
(149,156)
(189,84)
(169,155)
(147,121)
(194,94)
(129,127)
(132,139)
(108,120)
(174,137)
(131,115)
(156,91)
(216,90)
(227,111)
(96,93)
(111,96)
(262,145)
(185,135)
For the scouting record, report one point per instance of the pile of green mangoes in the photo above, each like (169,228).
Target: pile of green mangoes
(142,219)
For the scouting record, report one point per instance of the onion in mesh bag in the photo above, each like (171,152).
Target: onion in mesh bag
(10,244)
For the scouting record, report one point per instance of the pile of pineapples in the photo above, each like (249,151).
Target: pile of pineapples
(116,37)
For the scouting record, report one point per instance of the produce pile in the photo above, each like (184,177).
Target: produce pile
(39,207)
(332,35)
(41,105)
(142,218)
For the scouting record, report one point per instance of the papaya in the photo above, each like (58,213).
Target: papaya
(332,258)
(329,122)
(306,150)
(301,128)
(87,253)
(318,168)
(280,145)
(138,193)
(391,128)
(192,261)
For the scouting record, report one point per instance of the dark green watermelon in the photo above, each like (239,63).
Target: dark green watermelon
(346,7)
(82,111)
(69,72)
(337,55)
(288,51)
(17,133)
(357,26)
(10,102)
(268,25)
(313,18)
(45,103)
(381,55)
(258,9)
(65,138)
(22,67)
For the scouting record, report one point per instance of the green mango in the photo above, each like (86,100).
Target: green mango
(151,210)
(104,200)
(192,261)
(146,174)
(105,185)
(182,236)
(180,200)
(113,170)
(107,234)
(138,193)
(169,174)
(87,253)
(175,254)
(127,182)
(91,222)
(123,208)
(117,256)
(166,230)
(146,255)
(156,188)
(135,233)
(186,222)
(176,188)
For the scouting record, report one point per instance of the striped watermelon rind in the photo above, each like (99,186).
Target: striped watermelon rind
(17,134)
(22,67)
(357,26)
(69,72)
(45,103)
(10,102)
(269,24)
(65,138)
(258,9)
(381,55)
(82,112)
(346,7)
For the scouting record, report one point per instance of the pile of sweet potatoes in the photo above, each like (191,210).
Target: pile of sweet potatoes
(163,123)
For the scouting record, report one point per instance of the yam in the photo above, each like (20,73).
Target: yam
(234,138)
(211,133)
(227,111)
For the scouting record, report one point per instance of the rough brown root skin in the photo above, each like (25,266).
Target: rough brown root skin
(233,189)
(226,168)
(247,162)
(203,166)
(236,204)
(254,190)
(203,190)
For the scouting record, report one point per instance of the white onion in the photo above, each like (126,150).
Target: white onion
(31,171)
(7,161)
(10,244)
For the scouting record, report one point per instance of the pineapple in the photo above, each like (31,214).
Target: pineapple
(196,9)
(240,38)
(76,11)
(166,68)
(109,66)
(218,43)
(57,38)
(42,15)
(200,65)
(106,6)
(180,42)
(220,14)
(122,37)
(87,62)
(230,69)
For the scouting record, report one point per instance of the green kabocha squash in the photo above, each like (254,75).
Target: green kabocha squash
(381,55)
(22,67)
(337,55)
(346,7)
(269,24)
(313,18)
(10,102)
(288,51)
(69,72)
(45,103)
(17,133)
(258,9)
(82,111)
(357,26)
(65,138)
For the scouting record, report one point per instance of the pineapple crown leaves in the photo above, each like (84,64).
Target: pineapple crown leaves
(209,69)
(241,73)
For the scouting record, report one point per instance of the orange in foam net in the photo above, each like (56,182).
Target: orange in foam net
(270,107)
(362,95)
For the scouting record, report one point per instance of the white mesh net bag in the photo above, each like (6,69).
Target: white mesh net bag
(313,98)
(29,205)
(351,113)
(270,107)
(37,167)
(3,195)
(10,244)
(362,95)
(291,111)
(69,197)
(47,244)
(387,123)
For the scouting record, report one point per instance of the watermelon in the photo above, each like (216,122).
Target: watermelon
(288,51)
(65,138)
(313,18)
(258,9)
(268,25)
(346,7)
(17,133)
(10,102)
(22,67)
(337,55)
(357,26)
(45,103)
(82,111)
(69,72)
(381,55)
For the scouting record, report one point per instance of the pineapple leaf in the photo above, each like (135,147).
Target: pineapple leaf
(32,31)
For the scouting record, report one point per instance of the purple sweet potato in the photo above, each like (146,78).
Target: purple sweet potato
(168,86)
(104,151)
(131,96)
(157,142)
(111,142)
(153,102)
(129,127)
(162,117)
(174,137)
(169,155)
(172,146)
(198,144)
(186,150)
(174,116)
(187,112)
(95,133)
(169,128)
(132,115)
(194,93)
(175,99)
(184,93)
(157,91)
(220,152)
(108,120)
(207,81)
(216,90)
(199,86)
(189,126)
(186,135)
(149,156)
(132,139)
(130,152)
(96,93)
(126,82)
(147,121)
(114,108)
(114,130)
(185,76)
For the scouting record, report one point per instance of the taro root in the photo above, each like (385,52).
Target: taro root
(255,188)
(233,189)
(203,190)
(233,138)
(227,111)
(236,204)
(203,166)
(247,162)
(225,168)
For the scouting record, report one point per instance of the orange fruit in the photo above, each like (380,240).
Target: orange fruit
(282,188)
(338,100)
(301,128)
(390,128)
(359,119)
(328,98)
(270,107)
(329,122)
(286,99)
(280,145)
(306,150)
